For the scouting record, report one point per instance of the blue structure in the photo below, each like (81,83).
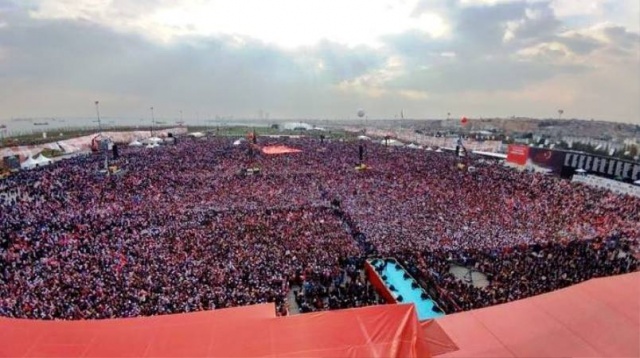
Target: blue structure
(405,289)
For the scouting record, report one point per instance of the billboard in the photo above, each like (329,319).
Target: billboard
(517,154)
(603,166)
(546,159)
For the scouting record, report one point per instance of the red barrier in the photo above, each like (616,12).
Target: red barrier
(376,282)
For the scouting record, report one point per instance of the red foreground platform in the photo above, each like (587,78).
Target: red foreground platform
(597,318)
(253,331)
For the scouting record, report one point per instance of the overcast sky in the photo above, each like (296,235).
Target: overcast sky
(321,58)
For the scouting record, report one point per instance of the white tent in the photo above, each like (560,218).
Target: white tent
(428,149)
(152,145)
(239,141)
(414,146)
(363,137)
(637,182)
(153,140)
(196,134)
(135,143)
(581,171)
(392,142)
(438,150)
(29,163)
(42,160)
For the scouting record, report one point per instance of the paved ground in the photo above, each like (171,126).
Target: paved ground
(478,279)
(291,300)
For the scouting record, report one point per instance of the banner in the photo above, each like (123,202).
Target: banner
(517,154)
(546,159)
(608,184)
(603,166)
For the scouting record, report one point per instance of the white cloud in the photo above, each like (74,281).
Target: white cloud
(548,52)
(287,23)
(565,8)
(485,2)
(325,57)
(510,30)
(621,12)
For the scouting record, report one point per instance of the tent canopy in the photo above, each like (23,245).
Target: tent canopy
(29,163)
(153,140)
(42,160)
(252,331)
(392,142)
(596,318)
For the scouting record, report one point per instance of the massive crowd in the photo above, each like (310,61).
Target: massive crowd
(180,229)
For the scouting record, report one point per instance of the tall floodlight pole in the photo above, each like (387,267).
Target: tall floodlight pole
(181,122)
(106,150)
(153,121)
(98,114)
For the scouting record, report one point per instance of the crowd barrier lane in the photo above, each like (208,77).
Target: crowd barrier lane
(376,282)
(383,290)
(428,281)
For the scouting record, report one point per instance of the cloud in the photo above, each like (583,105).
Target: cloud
(286,23)
(482,58)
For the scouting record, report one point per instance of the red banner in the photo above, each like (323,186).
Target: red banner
(517,154)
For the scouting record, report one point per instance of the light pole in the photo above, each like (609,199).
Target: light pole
(153,122)
(104,148)
(98,114)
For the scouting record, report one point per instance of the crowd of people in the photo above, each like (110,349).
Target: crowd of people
(183,228)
